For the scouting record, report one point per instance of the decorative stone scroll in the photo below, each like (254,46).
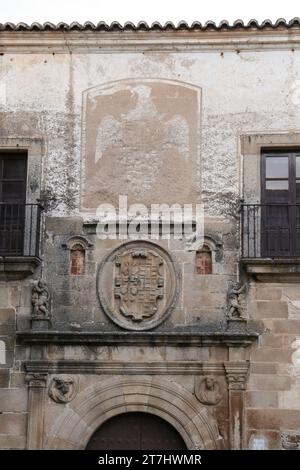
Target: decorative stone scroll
(138,285)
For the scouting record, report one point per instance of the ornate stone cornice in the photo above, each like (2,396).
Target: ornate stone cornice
(237,374)
(136,338)
(67,40)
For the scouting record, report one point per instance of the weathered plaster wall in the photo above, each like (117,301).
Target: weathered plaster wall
(241,92)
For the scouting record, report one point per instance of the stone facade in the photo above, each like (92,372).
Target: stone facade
(162,117)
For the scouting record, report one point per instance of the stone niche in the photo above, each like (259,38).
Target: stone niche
(140,139)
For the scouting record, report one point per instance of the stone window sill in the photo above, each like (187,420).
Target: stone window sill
(17,267)
(273,269)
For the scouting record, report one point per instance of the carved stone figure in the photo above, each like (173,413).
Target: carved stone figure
(290,441)
(40,300)
(62,389)
(208,390)
(235,305)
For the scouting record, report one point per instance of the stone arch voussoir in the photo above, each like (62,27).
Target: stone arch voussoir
(105,399)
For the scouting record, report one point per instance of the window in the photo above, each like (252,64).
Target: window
(13,173)
(77,260)
(280,211)
(204,260)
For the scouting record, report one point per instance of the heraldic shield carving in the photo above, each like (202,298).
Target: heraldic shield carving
(138,285)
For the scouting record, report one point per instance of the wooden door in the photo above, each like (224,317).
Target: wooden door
(136,431)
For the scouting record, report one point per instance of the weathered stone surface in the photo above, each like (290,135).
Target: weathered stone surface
(13,424)
(286,326)
(273,419)
(13,400)
(272,309)
(4,296)
(12,442)
(269,382)
(263,368)
(264,440)
(271,355)
(7,316)
(65,226)
(4,378)
(17,379)
(268,292)
(260,399)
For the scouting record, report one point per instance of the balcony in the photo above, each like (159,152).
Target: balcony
(19,239)
(270,241)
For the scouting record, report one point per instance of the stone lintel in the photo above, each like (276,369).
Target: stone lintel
(127,368)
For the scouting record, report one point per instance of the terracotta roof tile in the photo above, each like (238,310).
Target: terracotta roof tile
(156,26)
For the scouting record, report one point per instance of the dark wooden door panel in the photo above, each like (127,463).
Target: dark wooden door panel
(136,431)
(13,172)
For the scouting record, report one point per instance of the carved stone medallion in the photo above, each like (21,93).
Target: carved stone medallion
(208,390)
(62,389)
(137,285)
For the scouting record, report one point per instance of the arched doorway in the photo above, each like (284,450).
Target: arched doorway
(136,431)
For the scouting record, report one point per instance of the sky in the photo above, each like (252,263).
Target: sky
(152,10)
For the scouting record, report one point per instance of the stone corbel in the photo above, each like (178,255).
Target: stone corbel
(236,375)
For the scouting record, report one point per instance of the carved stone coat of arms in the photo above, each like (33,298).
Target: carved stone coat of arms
(139,284)
(144,285)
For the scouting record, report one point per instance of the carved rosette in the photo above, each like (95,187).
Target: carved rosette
(62,389)
(138,285)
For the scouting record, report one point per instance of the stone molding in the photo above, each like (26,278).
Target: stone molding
(84,241)
(251,144)
(129,41)
(126,368)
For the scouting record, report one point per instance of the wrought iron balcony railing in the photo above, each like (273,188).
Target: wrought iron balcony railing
(19,229)
(270,230)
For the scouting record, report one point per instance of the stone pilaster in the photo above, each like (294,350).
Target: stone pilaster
(36,396)
(236,375)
